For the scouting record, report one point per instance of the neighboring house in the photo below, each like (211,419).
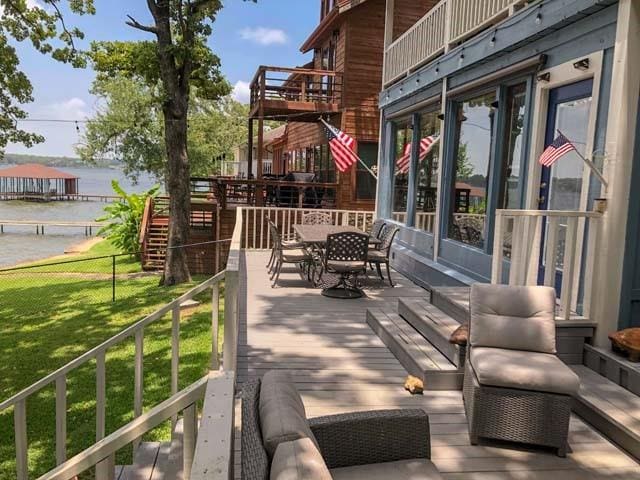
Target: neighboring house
(341,83)
(496,80)
(274,140)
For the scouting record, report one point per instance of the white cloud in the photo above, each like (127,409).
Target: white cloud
(72,109)
(241,92)
(264,36)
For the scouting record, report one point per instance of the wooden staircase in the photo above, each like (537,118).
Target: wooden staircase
(154,234)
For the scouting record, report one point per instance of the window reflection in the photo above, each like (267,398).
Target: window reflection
(475,120)
(401,164)
(428,158)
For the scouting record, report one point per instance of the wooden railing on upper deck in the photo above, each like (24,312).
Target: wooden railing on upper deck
(298,85)
(447,23)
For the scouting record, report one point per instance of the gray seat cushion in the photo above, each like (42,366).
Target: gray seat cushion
(282,414)
(515,318)
(376,256)
(539,372)
(421,469)
(299,460)
(343,267)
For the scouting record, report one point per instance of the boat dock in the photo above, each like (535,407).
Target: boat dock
(61,197)
(40,224)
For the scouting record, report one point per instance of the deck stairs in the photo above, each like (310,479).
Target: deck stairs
(156,460)
(156,234)
(417,331)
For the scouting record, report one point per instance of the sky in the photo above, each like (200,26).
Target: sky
(246,35)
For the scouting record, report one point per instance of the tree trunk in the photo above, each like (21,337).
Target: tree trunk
(176,268)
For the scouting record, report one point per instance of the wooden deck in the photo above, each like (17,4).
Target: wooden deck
(340,365)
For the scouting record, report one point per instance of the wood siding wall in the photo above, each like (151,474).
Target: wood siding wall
(408,12)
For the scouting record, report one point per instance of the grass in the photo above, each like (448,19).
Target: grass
(48,319)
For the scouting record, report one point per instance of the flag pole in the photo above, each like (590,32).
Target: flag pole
(357,156)
(591,165)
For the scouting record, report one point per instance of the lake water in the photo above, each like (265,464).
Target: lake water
(20,244)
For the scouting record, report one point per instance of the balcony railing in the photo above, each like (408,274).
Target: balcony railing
(278,92)
(553,248)
(449,22)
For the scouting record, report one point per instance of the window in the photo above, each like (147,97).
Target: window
(401,164)
(513,143)
(365,183)
(474,139)
(427,178)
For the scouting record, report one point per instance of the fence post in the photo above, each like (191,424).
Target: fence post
(113,278)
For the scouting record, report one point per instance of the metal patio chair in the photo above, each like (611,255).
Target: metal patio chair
(299,256)
(285,243)
(345,255)
(381,255)
(377,228)
(317,218)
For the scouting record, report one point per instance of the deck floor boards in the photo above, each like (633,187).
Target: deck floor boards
(340,365)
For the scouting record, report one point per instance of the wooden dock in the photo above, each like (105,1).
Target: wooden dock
(40,224)
(340,365)
(56,197)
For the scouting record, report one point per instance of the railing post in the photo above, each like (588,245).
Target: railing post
(105,469)
(568,267)
(175,353)
(61,419)
(215,325)
(447,24)
(20,429)
(498,249)
(138,380)
(190,419)
(229,359)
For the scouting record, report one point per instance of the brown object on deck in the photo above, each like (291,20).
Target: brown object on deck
(628,342)
(414,385)
(460,336)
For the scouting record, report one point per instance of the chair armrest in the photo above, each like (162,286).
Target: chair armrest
(364,438)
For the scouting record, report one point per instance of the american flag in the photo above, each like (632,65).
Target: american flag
(426,144)
(560,146)
(343,147)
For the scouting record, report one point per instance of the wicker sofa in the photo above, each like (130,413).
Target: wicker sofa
(279,443)
(515,387)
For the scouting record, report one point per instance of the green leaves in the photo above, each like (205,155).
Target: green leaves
(48,33)
(125,217)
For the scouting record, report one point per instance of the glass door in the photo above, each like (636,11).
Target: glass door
(561,185)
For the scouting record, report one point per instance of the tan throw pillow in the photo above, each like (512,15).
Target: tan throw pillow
(282,414)
(299,460)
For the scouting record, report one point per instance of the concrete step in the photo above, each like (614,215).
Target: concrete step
(434,325)
(610,408)
(416,354)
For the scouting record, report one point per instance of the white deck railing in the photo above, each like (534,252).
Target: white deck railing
(565,240)
(215,456)
(255,225)
(448,22)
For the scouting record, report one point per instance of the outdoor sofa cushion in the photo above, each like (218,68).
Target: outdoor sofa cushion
(539,372)
(282,414)
(299,460)
(516,318)
(421,469)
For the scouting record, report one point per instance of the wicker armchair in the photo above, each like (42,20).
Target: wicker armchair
(381,255)
(346,256)
(298,256)
(317,218)
(387,440)
(515,387)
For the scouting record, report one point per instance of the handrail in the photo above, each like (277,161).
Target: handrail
(146,222)
(135,429)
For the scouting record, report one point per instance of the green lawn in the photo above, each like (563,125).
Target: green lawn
(48,319)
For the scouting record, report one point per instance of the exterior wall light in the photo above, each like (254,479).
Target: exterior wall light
(582,64)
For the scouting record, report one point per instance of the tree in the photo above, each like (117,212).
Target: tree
(464,167)
(177,60)
(46,30)
(129,126)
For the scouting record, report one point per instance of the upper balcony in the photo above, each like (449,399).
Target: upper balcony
(447,24)
(299,94)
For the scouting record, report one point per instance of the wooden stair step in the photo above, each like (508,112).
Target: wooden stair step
(144,462)
(433,324)
(416,354)
(612,409)
(454,301)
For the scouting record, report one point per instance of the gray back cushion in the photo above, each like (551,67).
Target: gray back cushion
(282,414)
(299,460)
(515,318)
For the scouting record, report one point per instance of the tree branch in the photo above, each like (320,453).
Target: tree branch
(64,26)
(145,28)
